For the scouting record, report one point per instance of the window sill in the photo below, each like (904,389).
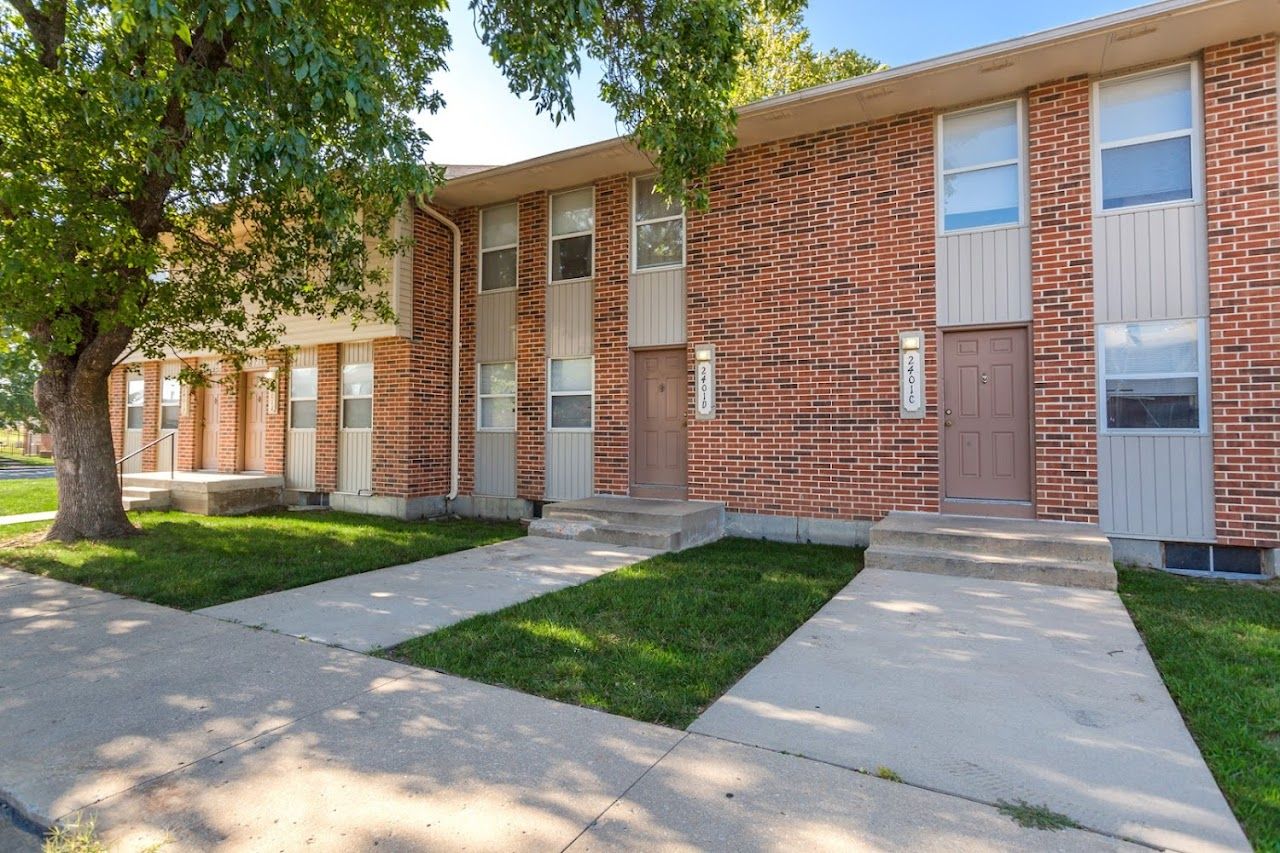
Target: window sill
(579,280)
(663,268)
(982,229)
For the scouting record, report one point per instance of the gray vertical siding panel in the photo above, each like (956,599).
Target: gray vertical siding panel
(569,319)
(1150,265)
(496,464)
(984,277)
(569,465)
(656,308)
(1156,486)
(496,326)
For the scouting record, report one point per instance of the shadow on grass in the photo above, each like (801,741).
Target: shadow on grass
(191,562)
(656,641)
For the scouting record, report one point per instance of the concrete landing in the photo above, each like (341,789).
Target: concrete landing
(657,524)
(381,608)
(204,492)
(989,690)
(1047,552)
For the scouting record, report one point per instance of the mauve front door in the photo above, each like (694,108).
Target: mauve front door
(986,432)
(659,403)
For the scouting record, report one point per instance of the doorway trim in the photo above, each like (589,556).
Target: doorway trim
(649,490)
(993,508)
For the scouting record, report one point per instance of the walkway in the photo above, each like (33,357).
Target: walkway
(177,728)
(990,690)
(23,518)
(378,609)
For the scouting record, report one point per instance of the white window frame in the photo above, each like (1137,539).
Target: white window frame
(1024,195)
(296,399)
(481,251)
(552,394)
(635,226)
(176,404)
(1202,378)
(552,237)
(1195,132)
(130,378)
(344,397)
(515,369)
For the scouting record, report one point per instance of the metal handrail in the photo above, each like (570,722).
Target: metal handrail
(150,444)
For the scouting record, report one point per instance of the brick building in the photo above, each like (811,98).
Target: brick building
(1068,242)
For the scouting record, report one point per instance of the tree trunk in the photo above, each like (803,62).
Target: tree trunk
(73,398)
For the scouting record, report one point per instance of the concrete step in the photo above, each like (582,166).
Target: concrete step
(1044,570)
(609,534)
(145,497)
(660,525)
(1010,537)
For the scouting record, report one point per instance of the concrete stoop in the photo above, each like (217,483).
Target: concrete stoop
(657,524)
(145,497)
(1048,552)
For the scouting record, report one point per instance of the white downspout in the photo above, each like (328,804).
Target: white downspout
(457,344)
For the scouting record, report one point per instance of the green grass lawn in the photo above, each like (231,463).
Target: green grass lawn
(11,450)
(657,641)
(193,561)
(1217,646)
(21,496)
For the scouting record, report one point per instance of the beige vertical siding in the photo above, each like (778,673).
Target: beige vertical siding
(496,464)
(304,357)
(1156,487)
(1150,264)
(496,326)
(656,308)
(569,465)
(984,277)
(402,273)
(569,319)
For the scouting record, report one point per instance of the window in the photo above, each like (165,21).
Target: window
(170,402)
(134,396)
(497,396)
(499,247)
(1145,129)
(302,398)
(981,182)
(570,392)
(573,216)
(1153,375)
(658,228)
(357,396)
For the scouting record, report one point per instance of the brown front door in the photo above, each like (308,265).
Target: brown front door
(210,396)
(255,423)
(659,399)
(986,432)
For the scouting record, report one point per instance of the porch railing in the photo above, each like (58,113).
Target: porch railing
(150,444)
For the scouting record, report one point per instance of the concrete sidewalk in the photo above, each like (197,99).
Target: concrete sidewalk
(991,690)
(24,517)
(178,728)
(378,609)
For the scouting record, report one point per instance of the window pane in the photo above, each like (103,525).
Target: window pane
(1147,105)
(303,414)
(982,197)
(1162,347)
(498,378)
(302,382)
(986,136)
(133,417)
(1153,403)
(660,243)
(498,413)
(498,269)
(168,417)
(571,374)
(572,212)
(571,412)
(499,226)
(134,393)
(357,414)
(1147,173)
(169,390)
(357,380)
(571,258)
(651,205)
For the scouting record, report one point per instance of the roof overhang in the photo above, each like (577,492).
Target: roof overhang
(1128,39)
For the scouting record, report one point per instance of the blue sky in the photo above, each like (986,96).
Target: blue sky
(484,123)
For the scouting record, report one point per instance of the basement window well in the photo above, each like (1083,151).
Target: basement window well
(1223,561)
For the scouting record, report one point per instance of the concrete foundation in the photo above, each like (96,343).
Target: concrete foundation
(1137,552)
(427,506)
(483,506)
(789,528)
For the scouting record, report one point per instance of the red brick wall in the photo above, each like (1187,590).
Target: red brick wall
(229,420)
(610,337)
(278,421)
(1242,194)
(188,438)
(468,222)
(327,403)
(115,388)
(150,413)
(531,348)
(815,254)
(1062,338)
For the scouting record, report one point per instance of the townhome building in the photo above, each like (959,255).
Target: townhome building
(1037,279)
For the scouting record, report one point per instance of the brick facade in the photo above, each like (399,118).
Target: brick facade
(610,337)
(531,347)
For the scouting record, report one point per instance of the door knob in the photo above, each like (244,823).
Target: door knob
(947,412)
(946,423)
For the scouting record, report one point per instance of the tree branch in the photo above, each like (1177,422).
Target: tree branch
(48,27)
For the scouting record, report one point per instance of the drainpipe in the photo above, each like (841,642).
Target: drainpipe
(457,346)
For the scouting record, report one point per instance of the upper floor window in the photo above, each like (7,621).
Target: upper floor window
(1146,151)
(573,219)
(499,247)
(981,167)
(658,227)
(1153,375)
(170,402)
